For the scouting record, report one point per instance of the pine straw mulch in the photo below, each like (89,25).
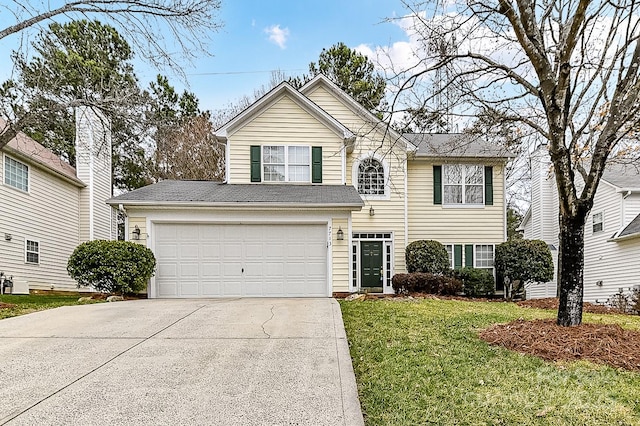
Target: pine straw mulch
(552,303)
(6,305)
(599,343)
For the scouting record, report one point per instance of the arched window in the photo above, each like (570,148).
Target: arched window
(371,177)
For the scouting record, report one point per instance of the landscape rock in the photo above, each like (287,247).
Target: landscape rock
(84,299)
(355,296)
(115,299)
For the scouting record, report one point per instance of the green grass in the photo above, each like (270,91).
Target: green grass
(423,364)
(25,304)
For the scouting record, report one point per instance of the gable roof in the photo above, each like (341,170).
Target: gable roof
(272,97)
(633,228)
(30,151)
(353,105)
(217,194)
(455,145)
(625,177)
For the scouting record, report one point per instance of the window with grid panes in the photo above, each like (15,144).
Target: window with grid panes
(32,251)
(370,177)
(16,174)
(463,184)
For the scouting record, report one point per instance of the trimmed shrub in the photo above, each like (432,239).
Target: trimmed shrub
(522,262)
(112,266)
(419,282)
(427,256)
(476,282)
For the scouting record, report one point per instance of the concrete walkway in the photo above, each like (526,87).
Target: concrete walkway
(178,362)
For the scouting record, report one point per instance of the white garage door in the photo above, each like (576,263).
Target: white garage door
(207,260)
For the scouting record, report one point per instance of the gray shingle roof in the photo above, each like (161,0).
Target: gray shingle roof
(625,176)
(632,228)
(221,194)
(454,145)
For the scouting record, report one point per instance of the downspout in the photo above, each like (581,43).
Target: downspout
(504,204)
(343,156)
(406,203)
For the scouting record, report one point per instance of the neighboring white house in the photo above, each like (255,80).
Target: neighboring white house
(48,207)
(320,197)
(612,230)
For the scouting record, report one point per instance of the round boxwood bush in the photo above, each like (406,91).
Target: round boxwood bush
(427,256)
(476,282)
(112,266)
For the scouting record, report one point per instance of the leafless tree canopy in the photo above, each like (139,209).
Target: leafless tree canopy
(566,70)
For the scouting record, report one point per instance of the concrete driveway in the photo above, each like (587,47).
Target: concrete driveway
(178,362)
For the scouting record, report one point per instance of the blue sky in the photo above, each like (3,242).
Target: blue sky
(259,36)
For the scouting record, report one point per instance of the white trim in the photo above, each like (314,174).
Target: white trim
(286,164)
(355,166)
(463,185)
(504,201)
(343,155)
(406,202)
(39,252)
(237,217)
(227,166)
(387,288)
(274,96)
(593,213)
(4,174)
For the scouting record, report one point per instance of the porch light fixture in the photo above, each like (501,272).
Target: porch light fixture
(136,232)
(340,234)
(372,212)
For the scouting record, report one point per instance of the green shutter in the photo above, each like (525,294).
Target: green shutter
(255,163)
(468,255)
(437,184)
(457,256)
(488,185)
(316,164)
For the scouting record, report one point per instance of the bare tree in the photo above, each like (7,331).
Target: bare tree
(189,151)
(566,70)
(160,31)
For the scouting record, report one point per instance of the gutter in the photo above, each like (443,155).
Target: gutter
(231,205)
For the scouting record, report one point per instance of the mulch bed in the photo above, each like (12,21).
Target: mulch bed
(598,343)
(552,303)
(6,305)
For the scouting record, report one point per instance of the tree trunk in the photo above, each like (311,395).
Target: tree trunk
(570,270)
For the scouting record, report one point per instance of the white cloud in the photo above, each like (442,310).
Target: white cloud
(277,35)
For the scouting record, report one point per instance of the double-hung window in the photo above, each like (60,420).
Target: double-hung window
(484,257)
(597,220)
(463,184)
(16,174)
(286,163)
(32,251)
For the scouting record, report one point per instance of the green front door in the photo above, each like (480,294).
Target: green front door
(371,265)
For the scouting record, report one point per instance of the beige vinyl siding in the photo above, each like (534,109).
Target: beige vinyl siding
(48,213)
(389,212)
(285,123)
(340,256)
(142,224)
(483,224)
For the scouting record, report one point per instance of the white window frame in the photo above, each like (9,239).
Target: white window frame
(286,163)
(355,172)
(449,248)
(594,223)
(493,258)
(27,251)
(463,184)
(5,174)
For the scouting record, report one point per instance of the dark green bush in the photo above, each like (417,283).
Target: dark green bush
(427,256)
(476,282)
(419,282)
(112,266)
(522,262)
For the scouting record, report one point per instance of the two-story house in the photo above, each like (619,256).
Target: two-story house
(320,197)
(49,207)
(611,235)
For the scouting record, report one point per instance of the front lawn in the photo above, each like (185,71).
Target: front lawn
(24,304)
(420,363)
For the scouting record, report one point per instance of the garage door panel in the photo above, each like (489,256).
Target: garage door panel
(209,260)
(189,270)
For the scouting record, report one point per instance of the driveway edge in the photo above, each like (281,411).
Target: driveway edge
(350,401)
